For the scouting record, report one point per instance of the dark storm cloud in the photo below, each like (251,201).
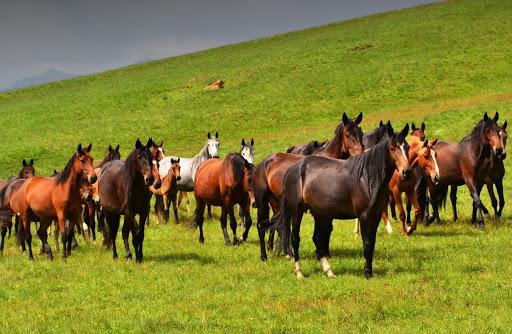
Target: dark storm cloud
(89,36)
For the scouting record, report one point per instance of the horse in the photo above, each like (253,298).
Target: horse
(358,188)
(55,198)
(123,188)
(167,193)
(189,166)
(372,138)
(306,149)
(418,132)
(468,162)
(92,206)
(422,155)
(223,183)
(157,151)
(26,171)
(495,177)
(267,184)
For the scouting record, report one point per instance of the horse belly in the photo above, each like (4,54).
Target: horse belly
(329,200)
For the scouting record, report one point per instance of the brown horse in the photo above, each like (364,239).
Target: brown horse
(423,155)
(306,149)
(124,190)
(269,174)
(55,198)
(469,162)
(357,188)
(223,183)
(418,132)
(167,193)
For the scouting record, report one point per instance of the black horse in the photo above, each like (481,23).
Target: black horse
(124,190)
(341,189)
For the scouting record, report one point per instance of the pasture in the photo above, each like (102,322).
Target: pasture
(444,64)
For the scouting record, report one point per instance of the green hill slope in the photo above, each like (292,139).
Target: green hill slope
(281,90)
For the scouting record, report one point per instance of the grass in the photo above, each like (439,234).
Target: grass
(445,64)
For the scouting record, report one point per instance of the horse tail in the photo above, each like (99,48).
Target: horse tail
(281,222)
(443,196)
(290,149)
(3,190)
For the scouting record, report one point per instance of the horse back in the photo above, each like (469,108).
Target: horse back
(40,196)
(111,188)
(276,167)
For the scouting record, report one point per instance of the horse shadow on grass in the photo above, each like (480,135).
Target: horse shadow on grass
(182,257)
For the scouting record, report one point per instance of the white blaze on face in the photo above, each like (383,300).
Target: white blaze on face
(402,148)
(161,152)
(213,147)
(433,154)
(246,153)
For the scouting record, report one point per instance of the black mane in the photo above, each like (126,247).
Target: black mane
(63,176)
(238,164)
(370,168)
(479,129)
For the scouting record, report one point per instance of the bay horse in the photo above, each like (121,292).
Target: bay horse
(495,177)
(306,149)
(26,171)
(124,190)
(267,183)
(55,198)
(372,138)
(167,193)
(223,183)
(469,162)
(92,206)
(358,188)
(422,155)
(189,166)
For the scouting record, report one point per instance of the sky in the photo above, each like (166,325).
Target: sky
(88,36)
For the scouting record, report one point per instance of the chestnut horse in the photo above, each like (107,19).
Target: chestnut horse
(167,193)
(124,190)
(223,183)
(55,198)
(469,162)
(358,188)
(269,174)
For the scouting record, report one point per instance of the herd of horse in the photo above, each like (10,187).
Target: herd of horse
(352,175)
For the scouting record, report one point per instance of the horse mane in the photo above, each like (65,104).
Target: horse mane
(236,163)
(479,128)
(63,176)
(370,168)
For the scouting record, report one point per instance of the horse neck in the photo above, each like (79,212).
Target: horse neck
(333,147)
(479,148)
(71,188)
(415,145)
(199,158)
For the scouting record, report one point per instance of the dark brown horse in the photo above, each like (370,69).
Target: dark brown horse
(469,162)
(269,174)
(223,183)
(124,190)
(167,193)
(357,188)
(55,198)
(306,149)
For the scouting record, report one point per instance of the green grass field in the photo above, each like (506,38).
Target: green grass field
(445,64)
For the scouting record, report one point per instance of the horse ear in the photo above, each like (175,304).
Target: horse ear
(504,127)
(359,118)
(425,143)
(117,148)
(486,117)
(496,116)
(88,149)
(79,148)
(216,135)
(178,160)
(138,144)
(413,127)
(31,162)
(433,142)
(149,143)
(161,143)
(344,118)
(381,124)
(405,130)
(243,141)
(390,132)
(24,163)
(423,126)
(110,148)
(252,141)
(209,135)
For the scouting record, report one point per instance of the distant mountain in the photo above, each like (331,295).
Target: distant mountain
(48,76)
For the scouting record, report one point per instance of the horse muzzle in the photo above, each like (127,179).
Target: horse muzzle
(150,180)
(157,185)
(435,180)
(178,178)
(501,154)
(404,175)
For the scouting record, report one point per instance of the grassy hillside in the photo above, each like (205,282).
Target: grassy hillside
(445,64)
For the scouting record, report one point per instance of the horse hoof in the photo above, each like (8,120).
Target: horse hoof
(139,261)
(129,257)
(368,274)
(201,240)
(330,273)
(263,258)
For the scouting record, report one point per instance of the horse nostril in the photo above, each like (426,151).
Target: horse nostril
(93,179)
(178,178)
(406,173)
(157,185)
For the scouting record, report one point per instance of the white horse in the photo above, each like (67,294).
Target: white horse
(189,166)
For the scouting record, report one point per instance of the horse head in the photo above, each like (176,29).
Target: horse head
(399,150)
(247,150)
(27,170)
(213,145)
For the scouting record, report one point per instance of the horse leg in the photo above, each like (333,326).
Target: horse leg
(246,211)
(224,223)
(262,224)
(42,232)
(475,193)
(392,207)
(127,227)
(139,229)
(187,201)
(113,226)
(324,230)
(397,196)
(209,211)
(418,214)
(4,232)
(274,204)
(10,228)
(408,208)
(453,200)
(92,227)
(356,227)
(368,231)
(494,201)
(233,224)
(435,209)
(295,245)
(387,223)
(175,209)
(318,237)
(499,190)
(199,218)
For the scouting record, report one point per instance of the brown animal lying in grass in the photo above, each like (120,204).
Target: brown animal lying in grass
(215,86)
